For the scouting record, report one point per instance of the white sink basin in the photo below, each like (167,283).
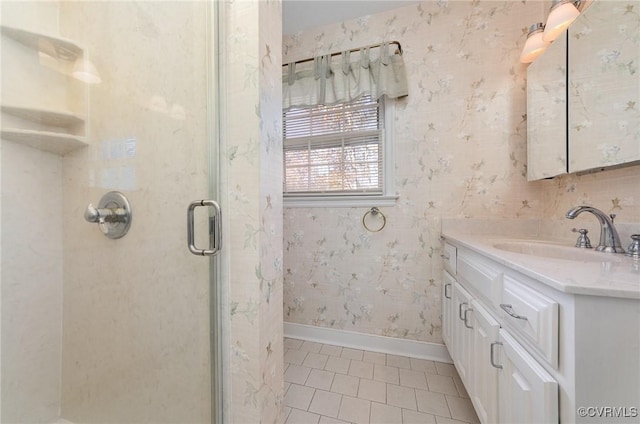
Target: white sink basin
(554,251)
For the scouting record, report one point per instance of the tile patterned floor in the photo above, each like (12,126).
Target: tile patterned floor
(327,384)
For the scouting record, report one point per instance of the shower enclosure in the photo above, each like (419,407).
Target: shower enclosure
(100,97)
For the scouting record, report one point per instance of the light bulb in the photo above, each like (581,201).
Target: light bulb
(562,13)
(535,45)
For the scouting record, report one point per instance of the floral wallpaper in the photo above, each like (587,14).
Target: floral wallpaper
(614,192)
(460,152)
(251,161)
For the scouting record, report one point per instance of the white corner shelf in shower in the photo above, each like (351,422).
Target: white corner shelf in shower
(56,118)
(50,130)
(50,45)
(48,141)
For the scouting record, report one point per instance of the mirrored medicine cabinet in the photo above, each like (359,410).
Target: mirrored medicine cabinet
(583,95)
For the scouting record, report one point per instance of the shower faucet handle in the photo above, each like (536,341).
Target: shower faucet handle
(113,215)
(93,214)
(102,215)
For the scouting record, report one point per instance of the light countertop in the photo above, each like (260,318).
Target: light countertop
(617,275)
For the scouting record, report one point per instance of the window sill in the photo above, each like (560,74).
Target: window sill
(338,201)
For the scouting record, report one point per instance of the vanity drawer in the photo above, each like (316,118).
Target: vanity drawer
(482,275)
(532,316)
(449,258)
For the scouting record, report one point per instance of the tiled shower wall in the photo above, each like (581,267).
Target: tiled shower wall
(31,246)
(460,152)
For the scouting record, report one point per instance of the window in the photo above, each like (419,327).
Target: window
(336,153)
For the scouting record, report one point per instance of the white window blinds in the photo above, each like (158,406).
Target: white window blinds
(334,149)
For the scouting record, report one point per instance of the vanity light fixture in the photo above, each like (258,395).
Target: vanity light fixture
(535,45)
(561,14)
(85,71)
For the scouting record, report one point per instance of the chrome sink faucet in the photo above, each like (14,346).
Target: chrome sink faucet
(609,238)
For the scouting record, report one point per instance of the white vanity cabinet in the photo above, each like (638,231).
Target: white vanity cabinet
(447,308)
(484,387)
(531,349)
(450,260)
(462,332)
(526,392)
(504,382)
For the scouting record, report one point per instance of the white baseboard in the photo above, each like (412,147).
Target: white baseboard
(371,342)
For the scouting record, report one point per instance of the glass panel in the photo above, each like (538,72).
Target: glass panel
(105,330)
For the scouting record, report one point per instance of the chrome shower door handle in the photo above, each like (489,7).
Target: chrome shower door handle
(215,228)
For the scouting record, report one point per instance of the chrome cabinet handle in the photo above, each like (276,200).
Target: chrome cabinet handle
(460,310)
(509,309)
(215,229)
(466,324)
(445,290)
(491,355)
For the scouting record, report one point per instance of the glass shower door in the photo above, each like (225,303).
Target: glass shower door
(101,97)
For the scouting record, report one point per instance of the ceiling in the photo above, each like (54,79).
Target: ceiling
(301,15)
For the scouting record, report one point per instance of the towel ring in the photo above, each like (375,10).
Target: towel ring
(374,211)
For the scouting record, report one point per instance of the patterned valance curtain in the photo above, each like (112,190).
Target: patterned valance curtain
(339,79)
